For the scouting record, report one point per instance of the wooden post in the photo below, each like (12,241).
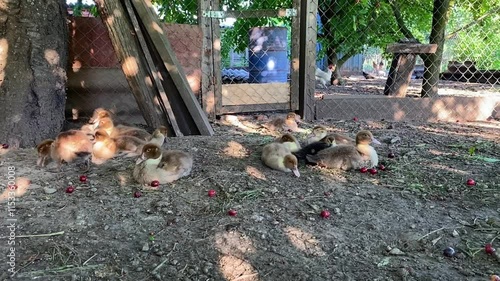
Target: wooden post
(176,84)
(131,58)
(403,63)
(216,48)
(307,58)
(294,63)
(207,64)
(162,96)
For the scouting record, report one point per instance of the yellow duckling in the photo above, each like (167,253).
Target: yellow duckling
(68,146)
(164,166)
(346,157)
(290,142)
(317,134)
(98,114)
(104,147)
(278,157)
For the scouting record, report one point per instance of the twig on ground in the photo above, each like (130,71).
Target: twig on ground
(84,263)
(165,260)
(434,231)
(36,235)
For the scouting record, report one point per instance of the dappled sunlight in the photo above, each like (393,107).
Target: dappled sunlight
(4,54)
(156,27)
(254,172)
(457,131)
(216,44)
(233,243)
(22,185)
(304,241)
(447,168)
(52,57)
(236,269)
(130,66)
(236,150)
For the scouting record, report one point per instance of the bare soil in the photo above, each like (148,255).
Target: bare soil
(390,226)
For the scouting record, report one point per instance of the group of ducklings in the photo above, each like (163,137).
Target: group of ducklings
(334,151)
(100,140)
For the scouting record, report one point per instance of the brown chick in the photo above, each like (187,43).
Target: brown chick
(107,124)
(290,142)
(104,147)
(284,124)
(130,145)
(68,146)
(342,139)
(278,157)
(98,114)
(346,157)
(317,134)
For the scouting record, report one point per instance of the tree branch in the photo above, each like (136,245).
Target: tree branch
(470,24)
(399,20)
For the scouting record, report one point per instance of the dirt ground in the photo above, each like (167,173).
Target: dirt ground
(390,226)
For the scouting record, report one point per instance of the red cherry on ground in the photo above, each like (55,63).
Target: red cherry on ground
(13,187)
(355,119)
(137,194)
(363,170)
(381,167)
(155,183)
(471,182)
(5,145)
(391,155)
(373,171)
(70,189)
(325,214)
(232,213)
(212,193)
(327,194)
(488,248)
(83,178)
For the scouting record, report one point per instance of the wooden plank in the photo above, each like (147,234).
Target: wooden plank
(162,96)
(207,86)
(412,48)
(307,58)
(216,48)
(254,108)
(266,93)
(128,51)
(263,13)
(152,24)
(294,63)
(400,73)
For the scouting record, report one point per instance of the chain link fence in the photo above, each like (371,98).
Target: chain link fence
(445,51)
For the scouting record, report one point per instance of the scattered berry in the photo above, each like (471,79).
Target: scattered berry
(325,214)
(391,155)
(363,170)
(83,178)
(137,194)
(232,213)
(381,167)
(155,183)
(373,171)
(70,189)
(327,194)
(488,248)
(471,182)
(355,119)
(449,252)
(211,193)
(13,187)
(5,145)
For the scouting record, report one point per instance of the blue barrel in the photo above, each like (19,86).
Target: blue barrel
(267,55)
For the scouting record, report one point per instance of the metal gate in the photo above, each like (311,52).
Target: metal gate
(254,57)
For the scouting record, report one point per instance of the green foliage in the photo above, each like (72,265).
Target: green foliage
(178,11)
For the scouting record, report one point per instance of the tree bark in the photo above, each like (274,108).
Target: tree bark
(432,62)
(33,60)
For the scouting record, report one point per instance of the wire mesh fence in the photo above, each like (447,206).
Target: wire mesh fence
(442,50)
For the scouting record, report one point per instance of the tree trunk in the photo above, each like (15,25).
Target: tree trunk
(33,60)
(432,62)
